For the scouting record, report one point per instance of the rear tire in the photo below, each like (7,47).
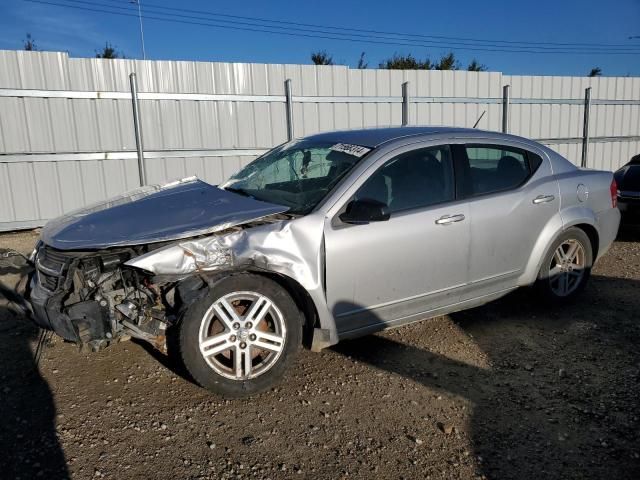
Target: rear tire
(567,266)
(240,338)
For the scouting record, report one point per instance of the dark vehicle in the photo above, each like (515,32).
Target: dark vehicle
(628,180)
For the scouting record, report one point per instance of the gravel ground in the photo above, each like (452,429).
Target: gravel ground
(513,389)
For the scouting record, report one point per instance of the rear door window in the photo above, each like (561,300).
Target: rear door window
(495,168)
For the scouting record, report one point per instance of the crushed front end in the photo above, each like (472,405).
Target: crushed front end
(92,299)
(82,288)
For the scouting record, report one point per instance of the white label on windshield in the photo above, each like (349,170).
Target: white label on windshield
(355,150)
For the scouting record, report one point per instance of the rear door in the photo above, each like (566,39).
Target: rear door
(511,196)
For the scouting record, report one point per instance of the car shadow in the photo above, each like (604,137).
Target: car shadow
(171,360)
(29,443)
(549,406)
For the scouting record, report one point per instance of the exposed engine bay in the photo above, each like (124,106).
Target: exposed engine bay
(95,300)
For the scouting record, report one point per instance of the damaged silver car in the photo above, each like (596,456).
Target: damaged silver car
(332,236)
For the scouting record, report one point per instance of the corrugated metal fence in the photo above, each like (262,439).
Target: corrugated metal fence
(67,134)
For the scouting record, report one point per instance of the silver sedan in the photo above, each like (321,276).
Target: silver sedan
(332,236)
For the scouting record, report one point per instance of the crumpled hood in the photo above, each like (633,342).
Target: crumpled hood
(158,213)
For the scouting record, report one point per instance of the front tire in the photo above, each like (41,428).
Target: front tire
(240,338)
(567,266)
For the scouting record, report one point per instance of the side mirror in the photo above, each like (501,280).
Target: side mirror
(365,211)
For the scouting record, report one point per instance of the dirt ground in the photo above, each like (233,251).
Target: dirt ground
(513,389)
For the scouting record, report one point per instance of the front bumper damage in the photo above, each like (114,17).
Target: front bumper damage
(48,313)
(87,298)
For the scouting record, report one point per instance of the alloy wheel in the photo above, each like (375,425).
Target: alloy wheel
(567,267)
(242,335)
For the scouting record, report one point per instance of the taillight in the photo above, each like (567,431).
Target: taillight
(614,193)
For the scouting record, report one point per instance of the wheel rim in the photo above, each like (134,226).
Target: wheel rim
(242,335)
(567,267)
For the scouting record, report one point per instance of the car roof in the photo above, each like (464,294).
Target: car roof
(374,137)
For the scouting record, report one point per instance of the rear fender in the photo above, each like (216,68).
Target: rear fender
(553,229)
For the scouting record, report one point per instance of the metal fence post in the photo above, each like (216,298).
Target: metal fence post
(137,126)
(405,103)
(585,127)
(287,93)
(506,99)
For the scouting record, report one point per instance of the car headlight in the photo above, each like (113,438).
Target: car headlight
(203,254)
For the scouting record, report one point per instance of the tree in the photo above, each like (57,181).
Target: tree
(30,43)
(406,62)
(448,62)
(361,63)
(595,72)
(476,66)
(321,58)
(109,51)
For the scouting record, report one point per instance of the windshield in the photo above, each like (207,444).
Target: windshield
(298,174)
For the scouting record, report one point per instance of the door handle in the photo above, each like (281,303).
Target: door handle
(543,199)
(449,219)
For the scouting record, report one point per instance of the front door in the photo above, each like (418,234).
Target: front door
(384,273)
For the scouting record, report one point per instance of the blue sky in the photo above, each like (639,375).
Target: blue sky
(82,32)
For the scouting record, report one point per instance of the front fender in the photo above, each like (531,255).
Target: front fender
(291,248)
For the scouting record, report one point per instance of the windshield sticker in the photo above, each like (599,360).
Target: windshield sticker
(355,150)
